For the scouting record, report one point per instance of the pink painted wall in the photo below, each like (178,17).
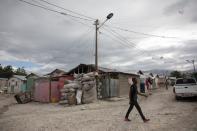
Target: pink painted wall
(42,89)
(41,93)
(55,92)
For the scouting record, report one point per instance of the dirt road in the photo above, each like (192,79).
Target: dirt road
(165,112)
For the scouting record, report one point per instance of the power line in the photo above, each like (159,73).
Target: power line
(35,1)
(141,50)
(68,10)
(75,20)
(141,33)
(120,42)
(128,43)
(124,44)
(52,10)
(39,6)
(118,36)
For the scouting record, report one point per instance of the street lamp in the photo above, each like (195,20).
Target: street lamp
(193,62)
(109,16)
(97,27)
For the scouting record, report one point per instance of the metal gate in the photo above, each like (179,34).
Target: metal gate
(109,87)
(113,87)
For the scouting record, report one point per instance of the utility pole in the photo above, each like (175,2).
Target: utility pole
(96,55)
(97,27)
(96,45)
(193,63)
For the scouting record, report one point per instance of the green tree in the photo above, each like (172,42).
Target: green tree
(6,72)
(20,71)
(8,68)
(1,68)
(194,75)
(176,74)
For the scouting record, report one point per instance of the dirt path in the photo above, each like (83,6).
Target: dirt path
(6,100)
(165,113)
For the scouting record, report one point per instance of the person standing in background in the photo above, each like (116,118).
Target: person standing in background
(142,81)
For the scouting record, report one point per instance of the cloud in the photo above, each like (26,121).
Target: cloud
(49,40)
(185,9)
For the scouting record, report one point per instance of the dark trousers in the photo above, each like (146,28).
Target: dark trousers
(135,103)
(142,87)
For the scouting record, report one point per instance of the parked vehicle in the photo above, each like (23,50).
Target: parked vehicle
(185,87)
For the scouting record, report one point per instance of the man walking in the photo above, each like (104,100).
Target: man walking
(133,101)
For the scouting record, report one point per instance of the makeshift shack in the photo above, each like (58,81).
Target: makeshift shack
(31,82)
(48,89)
(115,84)
(81,90)
(55,73)
(17,84)
(112,83)
(3,84)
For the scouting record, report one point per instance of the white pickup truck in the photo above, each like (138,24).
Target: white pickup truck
(185,87)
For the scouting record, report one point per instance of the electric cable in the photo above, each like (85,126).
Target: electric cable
(67,10)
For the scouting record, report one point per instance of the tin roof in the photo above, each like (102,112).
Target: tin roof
(57,71)
(3,78)
(101,69)
(20,77)
(32,74)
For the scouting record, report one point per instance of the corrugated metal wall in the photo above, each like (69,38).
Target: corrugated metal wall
(41,93)
(124,87)
(23,87)
(49,91)
(114,87)
(30,84)
(105,87)
(109,87)
(55,93)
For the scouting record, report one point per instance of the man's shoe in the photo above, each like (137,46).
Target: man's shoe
(146,120)
(127,119)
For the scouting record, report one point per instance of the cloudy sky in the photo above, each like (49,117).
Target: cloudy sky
(142,34)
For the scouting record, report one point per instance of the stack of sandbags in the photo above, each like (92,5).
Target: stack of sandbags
(68,93)
(89,88)
(81,90)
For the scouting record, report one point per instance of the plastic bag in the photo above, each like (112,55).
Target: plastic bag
(79,96)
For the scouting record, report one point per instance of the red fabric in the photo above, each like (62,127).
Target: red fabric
(147,84)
